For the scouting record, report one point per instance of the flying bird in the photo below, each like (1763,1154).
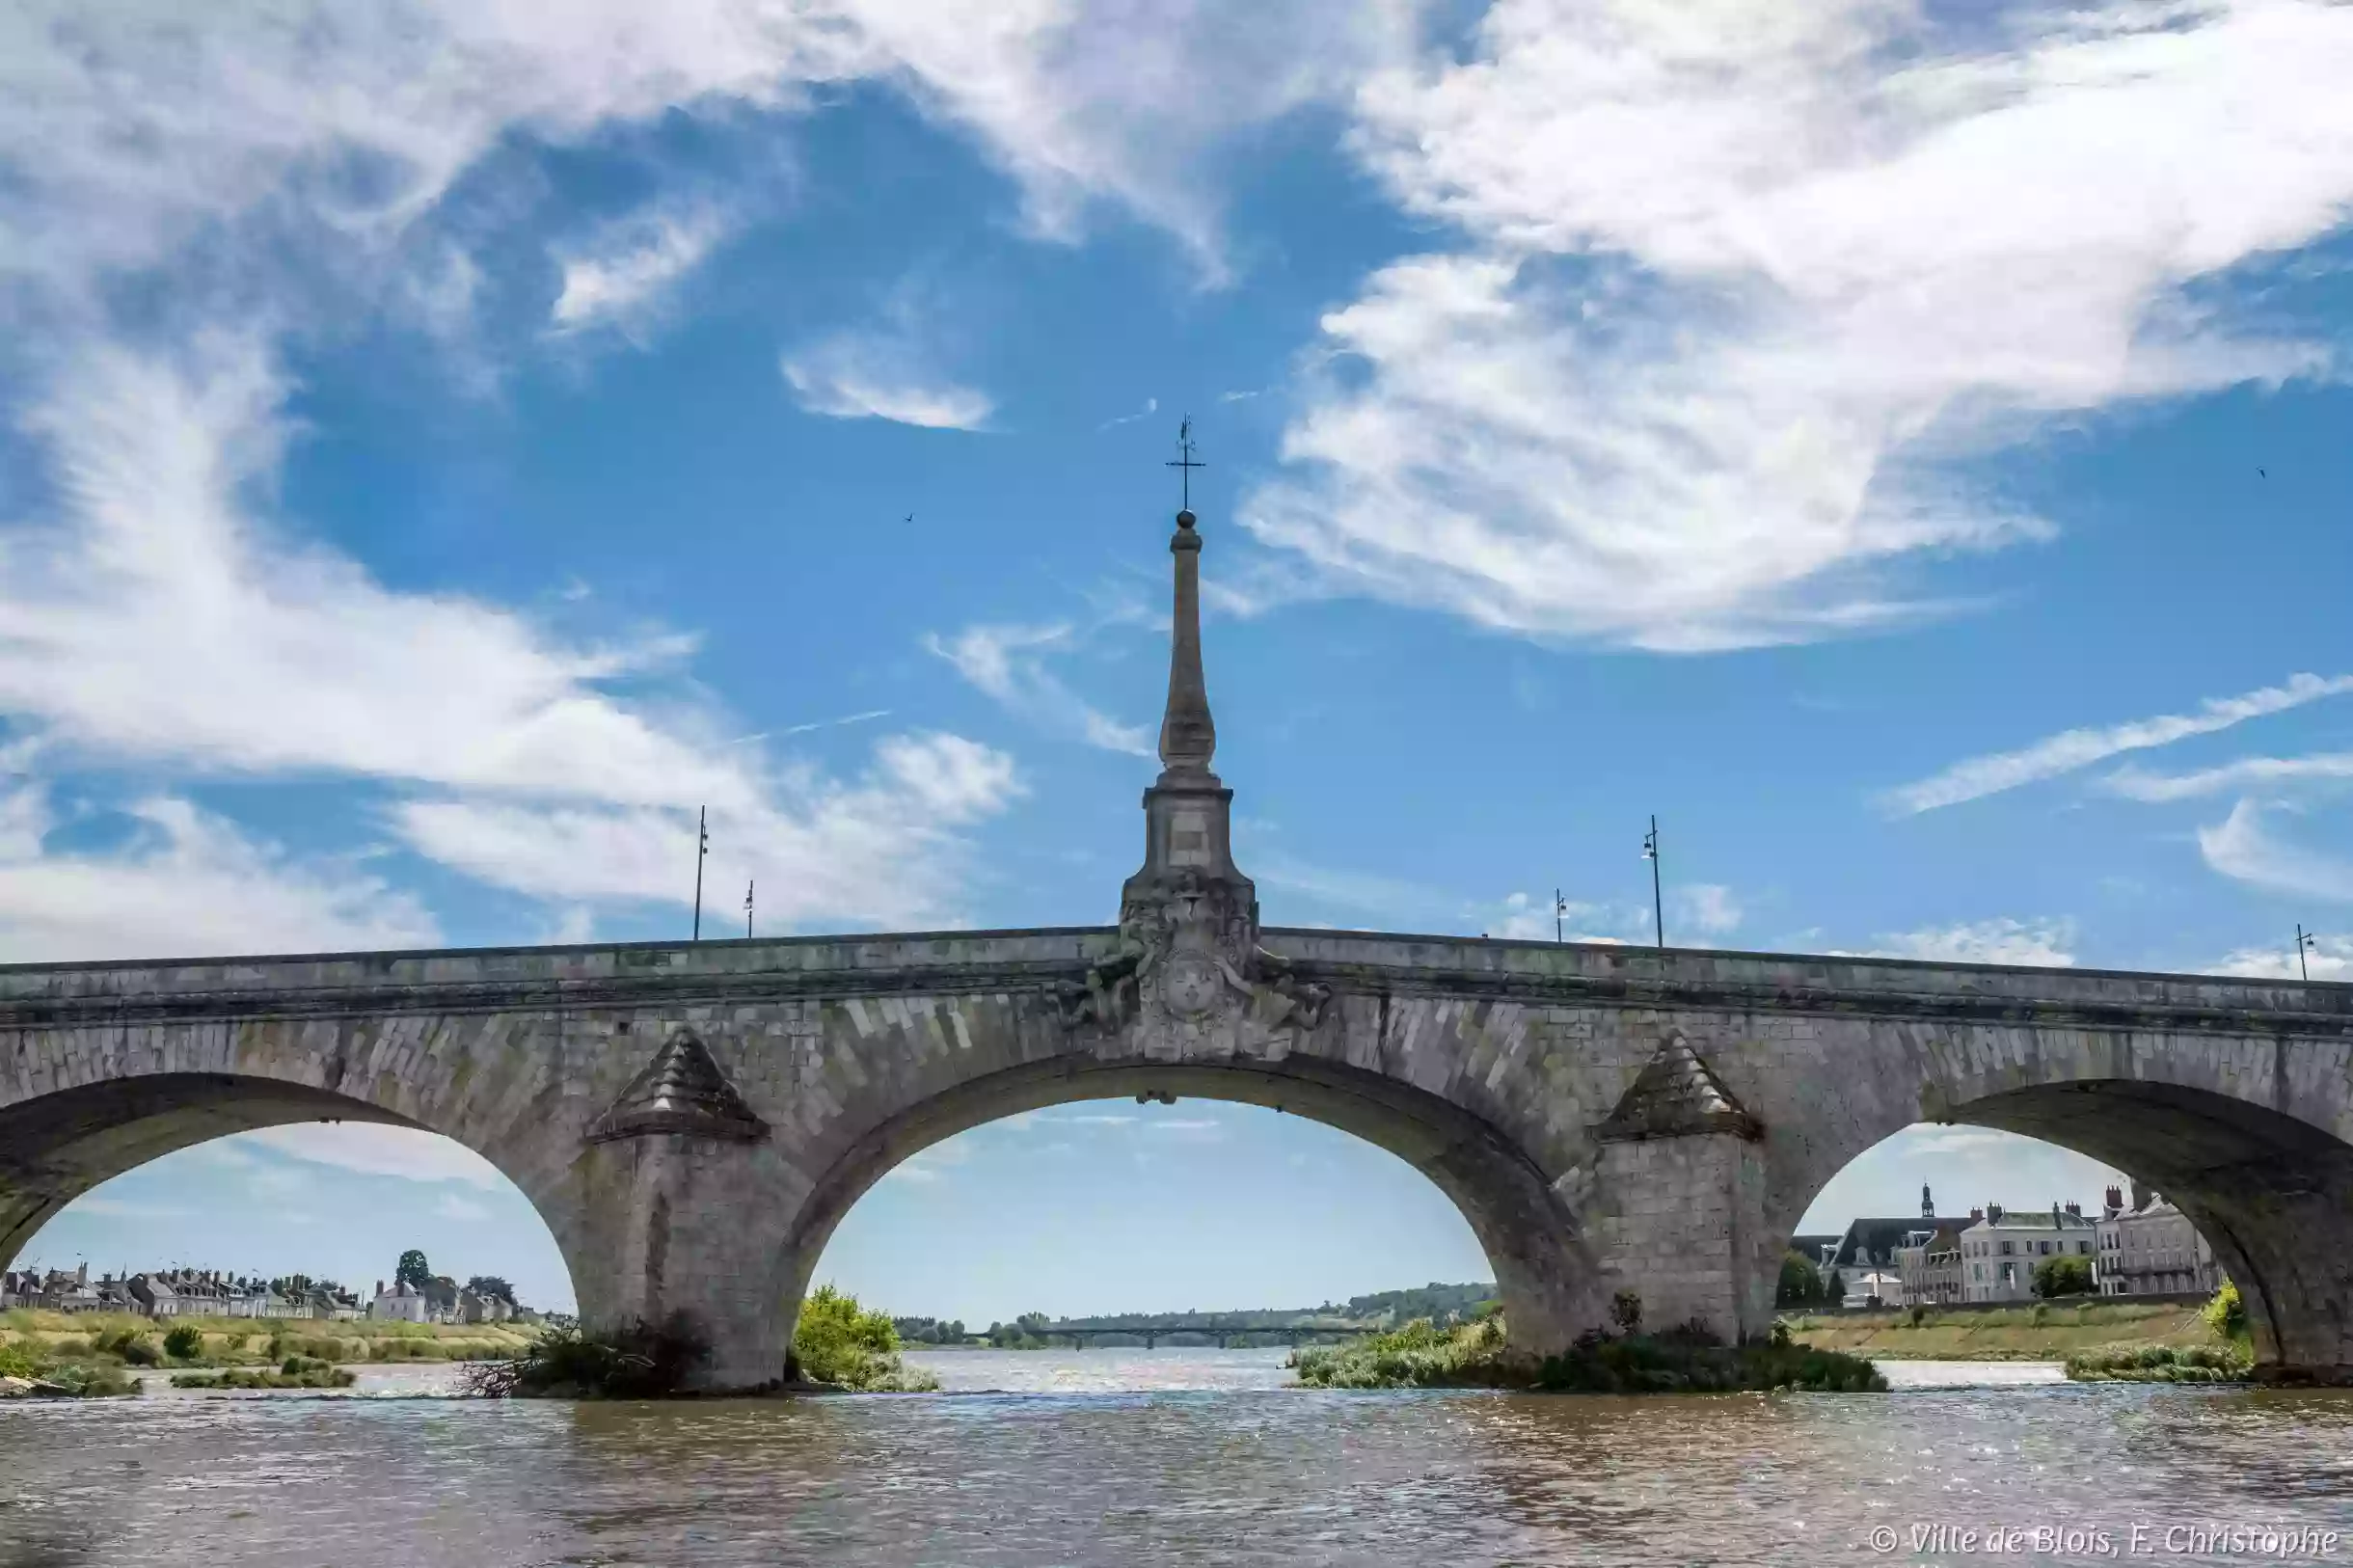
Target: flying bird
(910,516)
(2260,474)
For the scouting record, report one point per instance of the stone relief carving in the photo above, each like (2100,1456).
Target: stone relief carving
(1188,960)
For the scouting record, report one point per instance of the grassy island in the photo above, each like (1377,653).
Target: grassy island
(1477,1355)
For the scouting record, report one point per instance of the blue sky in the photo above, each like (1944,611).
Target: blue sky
(1903,447)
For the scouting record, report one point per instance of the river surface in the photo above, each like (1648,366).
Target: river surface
(1136,1457)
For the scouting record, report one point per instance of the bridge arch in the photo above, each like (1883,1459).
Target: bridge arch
(71,1121)
(2251,1137)
(1544,1274)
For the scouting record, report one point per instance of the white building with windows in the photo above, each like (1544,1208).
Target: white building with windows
(401,1304)
(2152,1249)
(1999,1253)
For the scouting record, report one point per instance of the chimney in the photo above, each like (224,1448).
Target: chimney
(379,1287)
(2115,1203)
(1994,1213)
(2139,1203)
(2075,1210)
(81,1275)
(1976,1215)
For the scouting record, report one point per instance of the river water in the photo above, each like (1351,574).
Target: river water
(1133,1457)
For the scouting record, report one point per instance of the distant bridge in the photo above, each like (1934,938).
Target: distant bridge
(1221,1329)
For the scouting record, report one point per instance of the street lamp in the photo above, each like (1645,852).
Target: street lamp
(1658,904)
(2305,943)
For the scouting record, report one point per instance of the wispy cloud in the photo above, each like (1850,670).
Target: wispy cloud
(622,275)
(1009,663)
(1713,305)
(124,1208)
(2037,943)
(2244,847)
(371,1149)
(862,375)
(2322,767)
(1706,908)
(1152,406)
(466,1210)
(185,883)
(2074,750)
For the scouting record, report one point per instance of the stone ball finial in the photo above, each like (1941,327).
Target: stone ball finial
(1184,520)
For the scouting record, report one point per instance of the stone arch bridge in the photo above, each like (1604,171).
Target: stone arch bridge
(692,1121)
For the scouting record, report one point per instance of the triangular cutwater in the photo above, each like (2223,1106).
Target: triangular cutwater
(682,1090)
(1676,1095)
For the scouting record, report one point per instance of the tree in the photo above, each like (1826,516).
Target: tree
(1802,1284)
(490,1286)
(2065,1275)
(413,1269)
(183,1343)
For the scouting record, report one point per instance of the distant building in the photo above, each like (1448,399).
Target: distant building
(1872,1245)
(2150,1248)
(401,1304)
(1999,1253)
(1928,1265)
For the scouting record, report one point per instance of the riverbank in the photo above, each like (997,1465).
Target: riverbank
(2039,1331)
(126,1338)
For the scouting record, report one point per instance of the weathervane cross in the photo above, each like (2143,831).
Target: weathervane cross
(1183,461)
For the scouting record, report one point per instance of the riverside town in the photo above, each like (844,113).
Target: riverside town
(1513,785)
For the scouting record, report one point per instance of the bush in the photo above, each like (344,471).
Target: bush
(2227,1314)
(2066,1275)
(1800,1284)
(86,1381)
(840,1342)
(16,1362)
(1626,1312)
(185,1343)
(640,1362)
(2161,1364)
(1684,1359)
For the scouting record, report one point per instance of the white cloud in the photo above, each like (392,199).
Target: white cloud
(1008,664)
(373,1149)
(2077,748)
(94,1205)
(620,275)
(454,1208)
(1152,406)
(1731,285)
(882,850)
(2322,767)
(2039,944)
(2329,958)
(865,375)
(1709,907)
(188,883)
(2243,847)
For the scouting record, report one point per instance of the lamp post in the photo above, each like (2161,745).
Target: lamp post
(1561,912)
(747,886)
(2305,943)
(702,848)
(1658,903)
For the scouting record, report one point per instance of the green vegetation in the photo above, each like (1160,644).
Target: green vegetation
(1680,1361)
(54,1378)
(2228,1358)
(1802,1284)
(2227,1314)
(930,1331)
(241,1341)
(297,1372)
(642,1361)
(2065,1275)
(2043,1331)
(838,1341)
(2161,1364)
